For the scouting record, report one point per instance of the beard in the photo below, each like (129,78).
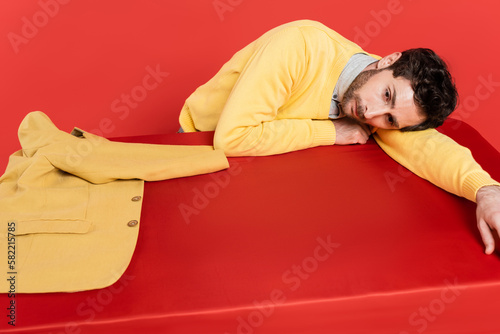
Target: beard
(351,93)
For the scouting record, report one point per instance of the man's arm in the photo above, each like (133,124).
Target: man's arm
(436,158)
(450,166)
(249,123)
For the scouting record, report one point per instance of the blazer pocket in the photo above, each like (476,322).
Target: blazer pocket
(53,226)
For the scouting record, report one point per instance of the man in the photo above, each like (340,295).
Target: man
(302,85)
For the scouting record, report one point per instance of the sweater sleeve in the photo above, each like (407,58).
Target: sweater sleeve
(436,158)
(250,122)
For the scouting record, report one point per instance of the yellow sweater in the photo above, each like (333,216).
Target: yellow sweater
(274,96)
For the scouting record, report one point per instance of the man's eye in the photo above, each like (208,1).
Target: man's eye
(387,95)
(390,119)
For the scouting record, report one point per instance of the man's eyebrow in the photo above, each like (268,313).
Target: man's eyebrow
(393,104)
(393,100)
(395,122)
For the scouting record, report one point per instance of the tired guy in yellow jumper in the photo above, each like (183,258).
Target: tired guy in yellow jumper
(303,85)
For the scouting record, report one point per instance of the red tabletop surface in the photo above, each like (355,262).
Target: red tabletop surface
(336,239)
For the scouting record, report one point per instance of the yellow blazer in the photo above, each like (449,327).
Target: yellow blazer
(70,204)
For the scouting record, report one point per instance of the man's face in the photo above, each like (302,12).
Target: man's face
(378,99)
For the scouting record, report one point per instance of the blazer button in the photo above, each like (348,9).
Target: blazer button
(132,223)
(136,198)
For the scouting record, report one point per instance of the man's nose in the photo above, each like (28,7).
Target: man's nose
(373,112)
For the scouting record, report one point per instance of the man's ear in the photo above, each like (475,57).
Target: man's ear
(388,60)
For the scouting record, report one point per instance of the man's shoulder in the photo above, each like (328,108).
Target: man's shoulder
(313,31)
(303,25)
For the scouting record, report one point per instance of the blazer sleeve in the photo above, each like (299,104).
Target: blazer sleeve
(436,158)
(99,160)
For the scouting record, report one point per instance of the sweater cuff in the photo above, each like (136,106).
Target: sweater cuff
(474,181)
(324,133)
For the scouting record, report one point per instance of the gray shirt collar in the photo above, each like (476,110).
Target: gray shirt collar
(357,63)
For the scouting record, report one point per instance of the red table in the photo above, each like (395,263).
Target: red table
(336,239)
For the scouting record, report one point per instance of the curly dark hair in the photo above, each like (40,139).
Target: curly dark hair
(434,90)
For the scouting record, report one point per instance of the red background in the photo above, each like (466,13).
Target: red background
(73,59)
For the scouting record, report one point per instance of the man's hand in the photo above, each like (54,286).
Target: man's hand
(488,215)
(349,131)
